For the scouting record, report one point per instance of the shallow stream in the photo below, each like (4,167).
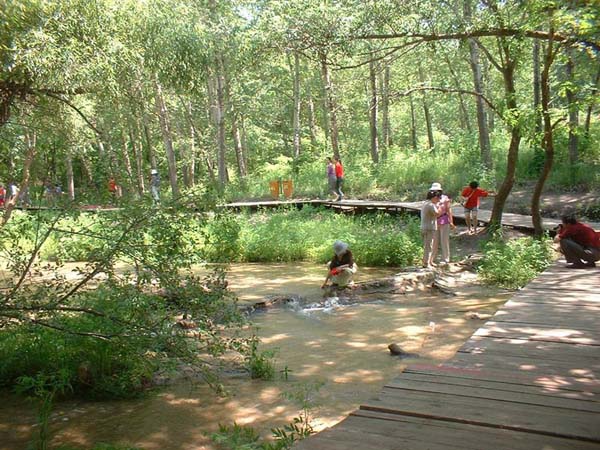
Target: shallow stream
(336,343)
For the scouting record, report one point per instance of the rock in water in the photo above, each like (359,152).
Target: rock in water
(396,350)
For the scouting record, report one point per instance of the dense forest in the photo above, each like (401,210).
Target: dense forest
(232,94)
(221,97)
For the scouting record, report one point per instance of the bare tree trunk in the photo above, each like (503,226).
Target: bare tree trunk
(70,180)
(428,123)
(126,159)
(239,149)
(161,110)
(508,73)
(30,143)
(588,116)
(147,136)
(331,106)
(311,121)
(297,103)
(139,162)
(219,115)
(385,111)
(536,85)
(413,125)
(547,142)
(373,113)
(482,125)
(465,121)
(573,111)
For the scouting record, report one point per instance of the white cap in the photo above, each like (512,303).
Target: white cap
(436,187)
(340,247)
(154,172)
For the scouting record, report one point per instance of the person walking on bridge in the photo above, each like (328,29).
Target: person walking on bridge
(339,174)
(471,195)
(578,242)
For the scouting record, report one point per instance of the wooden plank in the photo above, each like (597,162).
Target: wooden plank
(438,432)
(549,351)
(555,315)
(547,296)
(488,391)
(550,421)
(493,384)
(550,382)
(539,333)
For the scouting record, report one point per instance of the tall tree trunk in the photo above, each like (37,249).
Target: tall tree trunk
(413,125)
(548,140)
(311,121)
(508,75)
(220,122)
(297,103)
(70,180)
(385,111)
(428,123)
(30,144)
(588,116)
(482,124)
(573,110)
(148,137)
(373,112)
(239,149)
(536,86)
(139,161)
(161,110)
(126,159)
(465,121)
(331,106)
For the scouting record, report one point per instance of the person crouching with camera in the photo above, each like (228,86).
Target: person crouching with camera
(578,242)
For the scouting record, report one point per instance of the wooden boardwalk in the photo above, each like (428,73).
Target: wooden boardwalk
(527,379)
(517,221)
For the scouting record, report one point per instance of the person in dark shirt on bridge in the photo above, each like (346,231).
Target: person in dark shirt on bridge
(578,242)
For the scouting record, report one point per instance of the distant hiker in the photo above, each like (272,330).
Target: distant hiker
(445,221)
(429,215)
(578,242)
(331,178)
(2,195)
(471,195)
(342,267)
(49,193)
(112,189)
(24,199)
(13,193)
(155,185)
(339,174)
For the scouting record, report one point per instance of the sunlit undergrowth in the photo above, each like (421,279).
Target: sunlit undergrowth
(307,235)
(513,263)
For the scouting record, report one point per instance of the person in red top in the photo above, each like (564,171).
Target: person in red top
(339,174)
(471,195)
(578,242)
(2,195)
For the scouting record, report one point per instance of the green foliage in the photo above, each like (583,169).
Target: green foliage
(514,263)
(107,340)
(237,437)
(307,234)
(260,364)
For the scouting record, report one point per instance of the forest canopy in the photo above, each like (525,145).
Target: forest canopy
(231,94)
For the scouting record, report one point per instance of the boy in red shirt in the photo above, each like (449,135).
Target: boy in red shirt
(578,242)
(471,195)
(339,174)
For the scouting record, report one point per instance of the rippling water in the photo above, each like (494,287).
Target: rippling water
(336,343)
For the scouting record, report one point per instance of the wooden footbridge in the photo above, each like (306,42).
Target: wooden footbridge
(527,379)
(517,221)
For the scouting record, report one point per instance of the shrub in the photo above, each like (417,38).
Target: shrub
(514,263)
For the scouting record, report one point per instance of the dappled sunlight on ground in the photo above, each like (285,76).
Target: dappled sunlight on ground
(343,348)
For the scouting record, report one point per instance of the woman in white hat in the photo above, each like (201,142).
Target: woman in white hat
(341,268)
(445,222)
